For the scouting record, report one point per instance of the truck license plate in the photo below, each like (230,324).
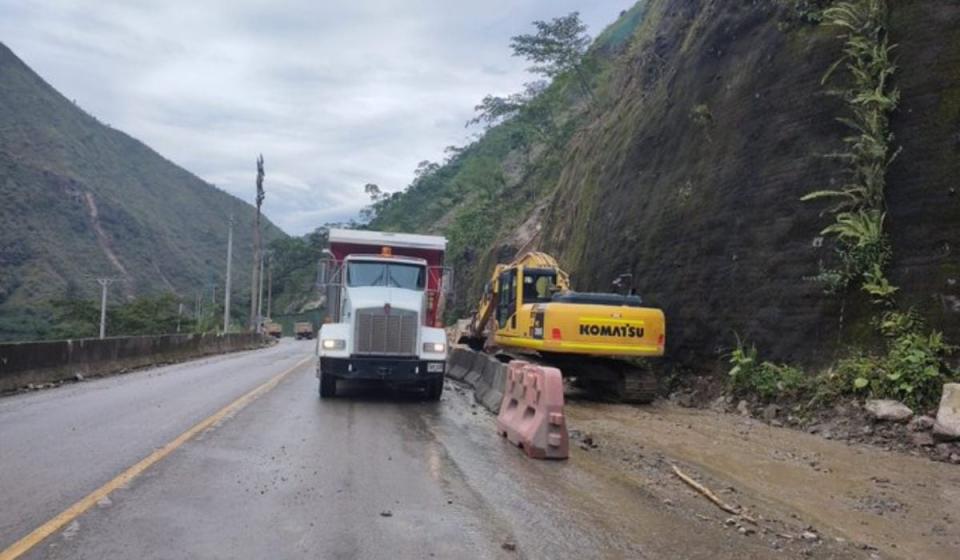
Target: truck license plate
(435,367)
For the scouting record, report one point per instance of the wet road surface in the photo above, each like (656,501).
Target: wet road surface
(372,474)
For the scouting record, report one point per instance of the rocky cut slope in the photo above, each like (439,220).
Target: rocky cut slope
(693,181)
(708,124)
(81,200)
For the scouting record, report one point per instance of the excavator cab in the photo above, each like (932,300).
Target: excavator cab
(539,284)
(535,285)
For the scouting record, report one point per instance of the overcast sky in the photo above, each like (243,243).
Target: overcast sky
(334,94)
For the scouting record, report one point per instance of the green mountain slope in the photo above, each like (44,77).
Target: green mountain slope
(709,124)
(81,200)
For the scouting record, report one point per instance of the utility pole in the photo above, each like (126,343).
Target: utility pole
(226,288)
(104,282)
(260,292)
(269,285)
(257,281)
(197,308)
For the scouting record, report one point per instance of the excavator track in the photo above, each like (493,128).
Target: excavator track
(606,379)
(639,386)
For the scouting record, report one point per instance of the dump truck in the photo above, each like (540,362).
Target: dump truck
(273,329)
(385,295)
(528,308)
(303,330)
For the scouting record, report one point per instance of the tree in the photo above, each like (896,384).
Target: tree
(378,200)
(373,191)
(424,169)
(558,47)
(532,110)
(493,110)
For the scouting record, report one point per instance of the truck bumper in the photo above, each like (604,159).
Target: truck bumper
(390,369)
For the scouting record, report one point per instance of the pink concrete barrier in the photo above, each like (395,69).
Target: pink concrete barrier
(531,413)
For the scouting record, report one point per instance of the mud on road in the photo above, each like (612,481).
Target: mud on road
(809,496)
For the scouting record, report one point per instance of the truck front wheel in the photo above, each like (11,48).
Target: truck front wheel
(328,386)
(434,389)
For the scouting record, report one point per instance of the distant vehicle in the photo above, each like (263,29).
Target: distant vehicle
(303,330)
(386,294)
(273,329)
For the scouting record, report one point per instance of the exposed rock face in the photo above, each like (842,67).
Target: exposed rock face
(886,410)
(947,426)
(692,179)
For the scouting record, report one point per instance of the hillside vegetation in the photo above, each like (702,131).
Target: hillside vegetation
(83,200)
(706,125)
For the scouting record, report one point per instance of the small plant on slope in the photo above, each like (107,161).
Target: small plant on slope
(751,376)
(860,205)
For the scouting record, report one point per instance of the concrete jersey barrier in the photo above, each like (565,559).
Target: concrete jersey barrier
(484,373)
(25,363)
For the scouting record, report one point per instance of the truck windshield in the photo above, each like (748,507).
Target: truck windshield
(394,275)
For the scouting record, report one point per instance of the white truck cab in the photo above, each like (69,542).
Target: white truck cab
(384,296)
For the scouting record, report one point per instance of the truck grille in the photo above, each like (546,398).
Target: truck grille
(379,332)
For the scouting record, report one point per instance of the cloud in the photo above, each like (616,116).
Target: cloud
(334,94)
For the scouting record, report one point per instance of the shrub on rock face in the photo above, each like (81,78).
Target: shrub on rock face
(751,376)
(912,370)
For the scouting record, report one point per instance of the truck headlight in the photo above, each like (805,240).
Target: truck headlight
(434,347)
(333,344)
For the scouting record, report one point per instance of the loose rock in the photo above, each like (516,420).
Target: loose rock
(947,425)
(921,424)
(887,410)
(719,404)
(922,439)
(771,412)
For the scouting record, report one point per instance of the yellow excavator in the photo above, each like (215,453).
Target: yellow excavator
(528,308)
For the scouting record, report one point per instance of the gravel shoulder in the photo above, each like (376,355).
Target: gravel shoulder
(805,492)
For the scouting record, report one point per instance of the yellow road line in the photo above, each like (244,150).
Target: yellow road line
(52,526)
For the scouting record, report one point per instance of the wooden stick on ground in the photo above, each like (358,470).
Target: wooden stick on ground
(705,492)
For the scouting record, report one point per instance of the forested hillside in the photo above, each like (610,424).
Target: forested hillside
(83,200)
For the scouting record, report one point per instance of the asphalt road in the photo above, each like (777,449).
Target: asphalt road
(372,474)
